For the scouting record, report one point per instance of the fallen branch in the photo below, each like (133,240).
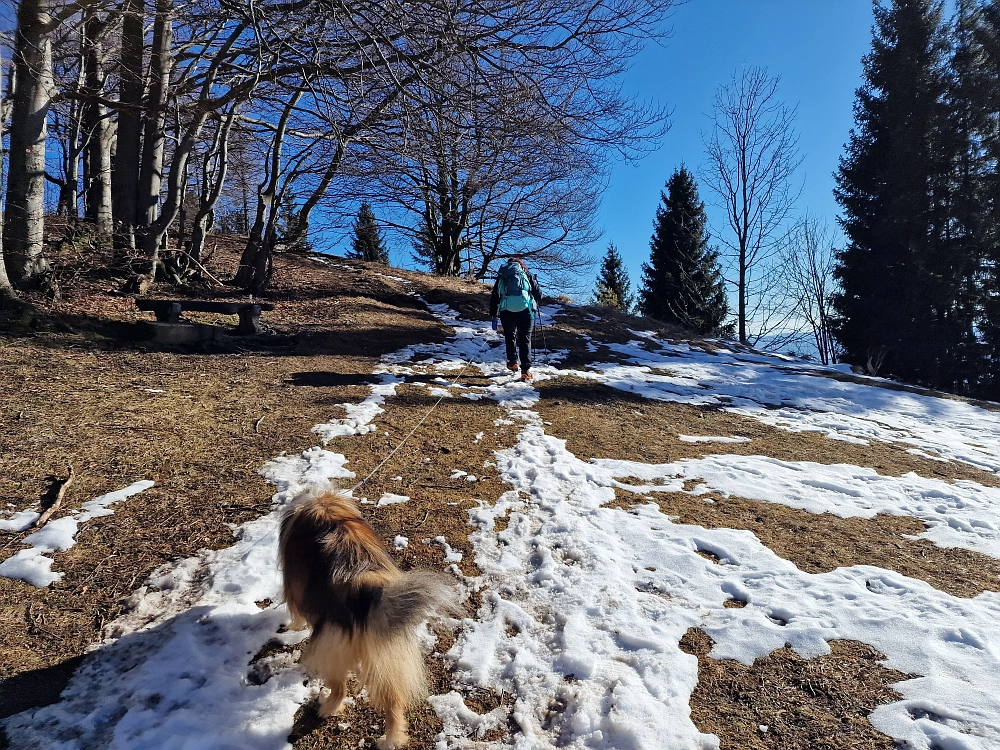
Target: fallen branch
(56,504)
(203,269)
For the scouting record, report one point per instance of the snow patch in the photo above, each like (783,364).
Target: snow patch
(32,566)
(390,499)
(359,416)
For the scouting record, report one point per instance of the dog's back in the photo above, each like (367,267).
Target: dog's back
(363,610)
(334,567)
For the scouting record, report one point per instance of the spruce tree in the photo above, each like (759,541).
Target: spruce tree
(981,77)
(895,303)
(613,284)
(962,188)
(288,222)
(368,243)
(682,283)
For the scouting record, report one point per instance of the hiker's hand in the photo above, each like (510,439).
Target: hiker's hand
(494,324)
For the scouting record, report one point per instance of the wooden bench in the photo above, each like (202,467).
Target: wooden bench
(169,310)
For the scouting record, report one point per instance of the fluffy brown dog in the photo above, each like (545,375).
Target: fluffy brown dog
(363,610)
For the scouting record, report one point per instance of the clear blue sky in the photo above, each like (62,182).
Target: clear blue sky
(815,46)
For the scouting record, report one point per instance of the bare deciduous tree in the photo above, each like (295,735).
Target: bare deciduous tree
(752,154)
(503,149)
(131,86)
(150,168)
(96,127)
(535,80)
(808,260)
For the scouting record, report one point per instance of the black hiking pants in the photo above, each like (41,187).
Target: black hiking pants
(517,336)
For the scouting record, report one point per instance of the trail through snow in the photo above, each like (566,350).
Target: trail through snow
(584,605)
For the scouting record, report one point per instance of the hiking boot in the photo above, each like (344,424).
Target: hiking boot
(527,376)
(512,366)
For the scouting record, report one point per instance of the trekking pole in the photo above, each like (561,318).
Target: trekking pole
(545,346)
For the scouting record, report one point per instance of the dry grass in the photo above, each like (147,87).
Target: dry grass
(785,702)
(200,423)
(600,421)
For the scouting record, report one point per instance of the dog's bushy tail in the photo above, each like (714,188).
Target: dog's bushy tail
(412,597)
(392,666)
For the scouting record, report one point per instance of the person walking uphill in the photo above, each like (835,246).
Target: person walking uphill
(515,298)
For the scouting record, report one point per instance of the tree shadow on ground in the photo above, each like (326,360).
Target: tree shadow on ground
(329,379)
(103,334)
(35,688)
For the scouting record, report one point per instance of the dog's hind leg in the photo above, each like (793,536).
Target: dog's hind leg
(331,656)
(395,729)
(334,702)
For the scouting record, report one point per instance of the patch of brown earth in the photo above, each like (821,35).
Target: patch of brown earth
(422,469)
(785,702)
(821,542)
(200,424)
(598,421)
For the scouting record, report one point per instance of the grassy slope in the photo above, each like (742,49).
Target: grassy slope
(200,424)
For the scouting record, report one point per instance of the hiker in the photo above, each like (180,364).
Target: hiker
(515,297)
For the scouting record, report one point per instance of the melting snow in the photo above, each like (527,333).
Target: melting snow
(390,499)
(31,565)
(583,605)
(360,416)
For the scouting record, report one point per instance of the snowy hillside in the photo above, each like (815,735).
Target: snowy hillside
(584,598)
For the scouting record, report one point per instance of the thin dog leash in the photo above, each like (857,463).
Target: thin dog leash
(385,460)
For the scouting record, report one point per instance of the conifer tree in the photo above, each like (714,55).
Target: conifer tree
(613,284)
(983,96)
(288,221)
(368,243)
(896,304)
(682,283)
(972,103)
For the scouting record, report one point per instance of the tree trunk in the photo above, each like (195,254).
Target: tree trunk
(742,289)
(154,140)
(6,288)
(25,207)
(125,177)
(210,192)
(262,262)
(70,186)
(97,197)
(69,196)
(7,292)
(255,260)
(157,230)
